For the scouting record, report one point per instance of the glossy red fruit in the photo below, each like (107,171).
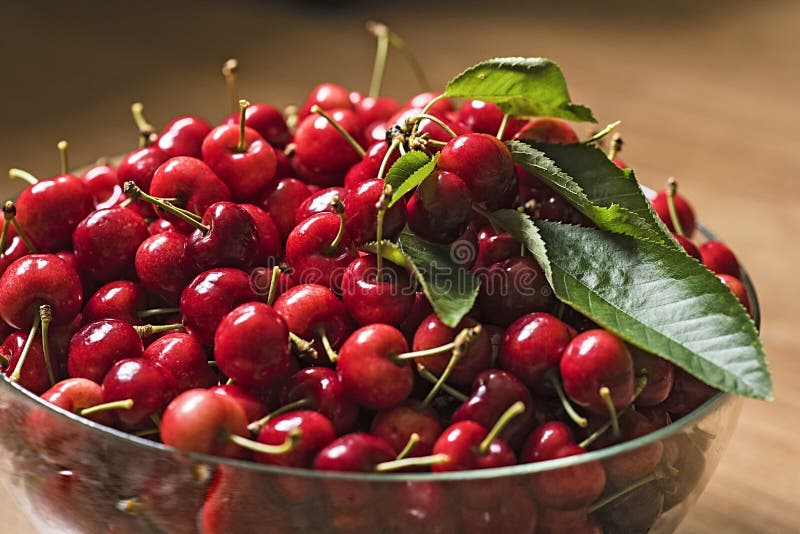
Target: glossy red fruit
(660,377)
(75,394)
(440,209)
(595,359)
(396,425)
(369,167)
(533,344)
(96,347)
(269,243)
(33,376)
(316,433)
(322,391)
(548,130)
(50,210)
(739,291)
(148,385)
(432,333)
(183,137)
(375,109)
(164,266)
(485,117)
(719,258)
(323,154)
(38,279)
(197,420)
(282,202)
(267,121)
(120,299)
(248,172)
(484,164)
(422,99)
(311,254)
(570,487)
(494,247)
(689,247)
(460,443)
(184,356)
(545,441)
(368,373)
(140,165)
(513,288)
(634,464)
(317,202)
(251,345)
(327,96)
(106,242)
(15,250)
(254,408)
(231,241)
(102,182)
(369,299)
(684,210)
(358,452)
(361,213)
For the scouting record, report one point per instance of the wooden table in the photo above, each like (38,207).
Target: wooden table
(707,92)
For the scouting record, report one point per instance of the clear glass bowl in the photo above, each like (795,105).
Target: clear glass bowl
(68,474)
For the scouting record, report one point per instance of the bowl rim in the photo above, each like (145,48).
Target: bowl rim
(714,403)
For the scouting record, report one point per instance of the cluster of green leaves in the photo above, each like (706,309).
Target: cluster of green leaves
(628,274)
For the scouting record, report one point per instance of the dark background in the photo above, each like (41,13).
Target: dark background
(707,92)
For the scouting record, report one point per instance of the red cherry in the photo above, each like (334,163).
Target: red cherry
(231,239)
(369,167)
(316,253)
(548,130)
(327,96)
(33,375)
(283,201)
(513,288)
(75,394)
(106,241)
(632,465)
(116,300)
(361,213)
(321,390)
(545,441)
(441,208)
(570,487)
(376,109)
(485,117)
(102,182)
(660,377)
(140,165)
(533,344)
(367,370)
(689,247)
(15,250)
(739,291)
(148,385)
(683,209)
(323,154)
(164,266)
(432,333)
(253,407)
(184,356)
(267,121)
(316,433)
(422,99)
(251,345)
(484,164)
(719,258)
(318,202)
(419,312)
(494,247)
(183,137)
(269,244)
(371,300)
(461,442)
(246,171)
(96,347)
(357,452)
(396,425)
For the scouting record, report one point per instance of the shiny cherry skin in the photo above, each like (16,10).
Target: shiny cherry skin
(548,130)
(533,344)
(421,100)
(419,312)
(596,359)
(317,432)
(183,137)
(50,210)
(570,487)
(327,96)
(282,202)
(369,300)
(396,425)
(660,377)
(15,249)
(267,121)
(158,226)
(101,180)
(367,371)
(310,254)
(164,266)
(38,279)
(361,213)
(261,280)
(96,347)
(317,202)
(485,117)
(440,209)
(322,151)
(75,394)
(310,309)
(357,452)
(513,288)
(106,242)
(484,164)
(199,421)
(369,167)
(251,345)
(719,258)
(246,173)
(460,443)
(184,356)
(545,440)
(269,243)
(493,392)
(375,109)
(192,183)
(210,297)
(140,165)
(738,290)
(684,210)
(120,299)
(231,241)
(322,389)
(494,247)
(432,333)
(689,247)
(254,408)
(33,376)
(148,385)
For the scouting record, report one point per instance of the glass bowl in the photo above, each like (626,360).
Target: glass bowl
(68,474)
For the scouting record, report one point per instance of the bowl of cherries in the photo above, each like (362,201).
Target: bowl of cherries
(455,314)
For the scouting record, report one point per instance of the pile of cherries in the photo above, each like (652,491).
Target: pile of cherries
(218,290)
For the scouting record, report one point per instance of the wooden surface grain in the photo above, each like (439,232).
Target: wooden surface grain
(707,92)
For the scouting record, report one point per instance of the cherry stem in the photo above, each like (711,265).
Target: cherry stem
(415,461)
(63,147)
(338,209)
(430,377)
(511,412)
(126,404)
(292,116)
(338,127)
(25,176)
(4,235)
(385,160)
(576,418)
(243,105)
(397,42)
(290,443)
(422,116)
(604,132)
(381,32)
(655,475)
(326,344)
(616,145)
(424,353)
(156,311)
(17,374)
(135,192)
(273,285)
(10,214)
(502,129)
(605,394)
(256,426)
(672,190)
(303,346)
(382,205)
(641,382)
(146,432)
(413,439)
(149,329)
(229,70)
(46,317)
(146,130)
(432,102)
(156,420)
(462,342)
